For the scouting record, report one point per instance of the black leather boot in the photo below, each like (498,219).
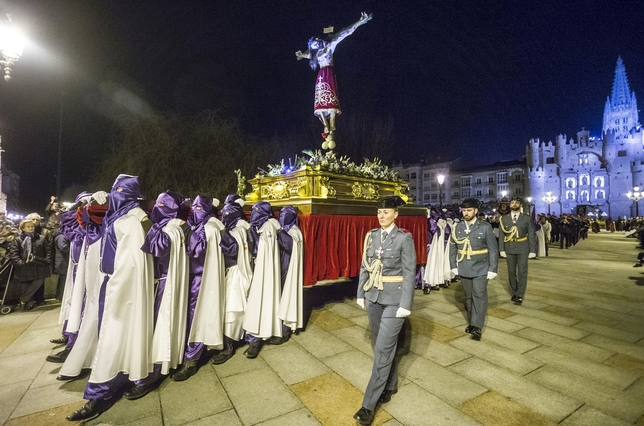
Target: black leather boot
(225,354)
(188,369)
(253,349)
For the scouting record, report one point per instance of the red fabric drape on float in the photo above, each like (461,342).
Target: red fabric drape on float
(333,243)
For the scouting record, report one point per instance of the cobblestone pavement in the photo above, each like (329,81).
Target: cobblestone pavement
(573,354)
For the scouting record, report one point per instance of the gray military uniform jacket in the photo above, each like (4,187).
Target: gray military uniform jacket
(524,232)
(398,257)
(471,261)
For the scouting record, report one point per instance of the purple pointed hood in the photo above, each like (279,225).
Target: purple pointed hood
(202,210)
(288,218)
(231,198)
(166,208)
(230,215)
(82,195)
(262,211)
(123,197)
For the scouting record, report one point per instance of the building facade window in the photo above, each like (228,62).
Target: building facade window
(455,195)
(466,193)
(467,180)
(571,183)
(517,178)
(479,193)
(502,177)
(599,195)
(413,175)
(434,197)
(426,197)
(490,180)
(599,182)
(584,180)
(433,185)
(570,195)
(583,196)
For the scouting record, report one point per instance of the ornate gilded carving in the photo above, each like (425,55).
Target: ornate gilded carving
(368,191)
(326,190)
(277,190)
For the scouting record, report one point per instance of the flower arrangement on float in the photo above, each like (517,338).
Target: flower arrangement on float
(329,161)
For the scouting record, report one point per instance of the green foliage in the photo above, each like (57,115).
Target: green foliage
(188,155)
(331,162)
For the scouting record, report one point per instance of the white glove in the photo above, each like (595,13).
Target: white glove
(502,254)
(491,275)
(532,255)
(455,271)
(360,303)
(402,313)
(86,200)
(100,197)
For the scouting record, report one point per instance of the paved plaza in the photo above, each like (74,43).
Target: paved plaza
(573,354)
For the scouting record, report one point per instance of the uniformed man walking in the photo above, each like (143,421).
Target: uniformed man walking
(517,243)
(474,255)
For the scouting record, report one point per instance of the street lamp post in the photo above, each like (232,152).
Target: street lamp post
(529,200)
(636,196)
(441,180)
(11,46)
(549,199)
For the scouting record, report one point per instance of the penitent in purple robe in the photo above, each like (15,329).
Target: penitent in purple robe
(71,228)
(202,210)
(158,244)
(123,197)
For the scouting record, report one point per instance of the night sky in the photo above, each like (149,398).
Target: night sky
(466,78)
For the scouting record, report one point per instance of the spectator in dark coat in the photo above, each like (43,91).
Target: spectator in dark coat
(61,260)
(31,256)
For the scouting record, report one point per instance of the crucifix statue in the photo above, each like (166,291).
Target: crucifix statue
(320,53)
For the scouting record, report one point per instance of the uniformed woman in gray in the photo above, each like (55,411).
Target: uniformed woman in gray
(386,289)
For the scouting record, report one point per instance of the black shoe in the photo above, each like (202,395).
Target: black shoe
(274,340)
(59,357)
(637,265)
(139,391)
(518,300)
(364,416)
(60,341)
(514,298)
(253,350)
(468,329)
(222,356)
(385,397)
(427,290)
(91,410)
(63,378)
(29,305)
(188,369)
(476,333)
